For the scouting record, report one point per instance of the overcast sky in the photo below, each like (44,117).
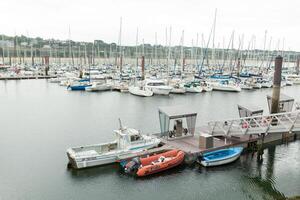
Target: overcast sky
(99,19)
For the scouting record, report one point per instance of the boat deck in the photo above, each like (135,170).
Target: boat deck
(191,144)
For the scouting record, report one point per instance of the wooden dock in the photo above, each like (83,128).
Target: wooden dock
(229,133)
(26,77)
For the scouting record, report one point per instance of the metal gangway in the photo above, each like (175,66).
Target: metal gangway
(273,123)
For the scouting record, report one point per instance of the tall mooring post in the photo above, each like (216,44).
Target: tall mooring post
(143,67)
(183,64)
(276,85)
(238,67)
(121,63)
(46,65)
(275,101)
(298,65)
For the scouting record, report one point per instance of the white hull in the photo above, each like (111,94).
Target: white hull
(127,141)
(266,85)
(104,159)
(98,88)
(257,86)
(246,87)
(160,90)
(220,162)
(178,91)
(93,163)
(140,92)
(227,88)
(194,89)
(207,89)
(296,82)
(289,83)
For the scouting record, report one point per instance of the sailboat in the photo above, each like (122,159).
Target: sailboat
(193,87)
(139,90)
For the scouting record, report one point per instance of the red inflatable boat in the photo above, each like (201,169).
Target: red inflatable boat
(155,163)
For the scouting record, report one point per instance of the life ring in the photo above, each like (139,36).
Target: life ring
(264,121)
(245,125)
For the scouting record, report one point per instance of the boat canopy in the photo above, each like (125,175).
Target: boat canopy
(168,113)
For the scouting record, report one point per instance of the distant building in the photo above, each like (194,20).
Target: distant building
(6,43)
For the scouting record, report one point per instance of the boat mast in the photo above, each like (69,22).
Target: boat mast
(136,53)
(196,52)
(182,52)
(169,52)
(206,49)
(120,47)
(155,50)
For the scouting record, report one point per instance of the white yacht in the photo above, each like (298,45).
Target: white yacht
(140,91)
(98,86)
(178,87)
(127,141)
(158,86)
(294,78)
(193,87)
(225,85)
(266,84)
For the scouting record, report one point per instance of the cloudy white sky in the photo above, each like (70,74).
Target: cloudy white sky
(99,19)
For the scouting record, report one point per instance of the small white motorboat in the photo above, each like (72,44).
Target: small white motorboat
(98,86)
(226,86)
(158,86)
(140,91)
(178,89)
(193,87)
(127,141)
(266,84)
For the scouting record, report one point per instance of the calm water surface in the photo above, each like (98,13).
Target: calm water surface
(40,120)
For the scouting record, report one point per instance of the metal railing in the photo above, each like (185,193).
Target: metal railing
(273,123)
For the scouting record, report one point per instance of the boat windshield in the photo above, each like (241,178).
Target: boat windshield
(134,138)
(156,84)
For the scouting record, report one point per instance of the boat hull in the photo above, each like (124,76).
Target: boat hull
(98,88)
(104,159)
(194,90)
(160,91)
(91,163)
(178,91)
(227,156)
(148,169)
(226,88)
(78,87)
(140,92)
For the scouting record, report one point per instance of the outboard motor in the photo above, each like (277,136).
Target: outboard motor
(132,166)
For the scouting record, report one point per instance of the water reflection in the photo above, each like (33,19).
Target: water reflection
(266,183)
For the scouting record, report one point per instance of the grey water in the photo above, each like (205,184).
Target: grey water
(40,120)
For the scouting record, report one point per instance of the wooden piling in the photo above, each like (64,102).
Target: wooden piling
(276,85)
(238,67)
(46,58)
(143,67)
(298,65)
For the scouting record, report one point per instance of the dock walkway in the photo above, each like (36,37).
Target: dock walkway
(268,124)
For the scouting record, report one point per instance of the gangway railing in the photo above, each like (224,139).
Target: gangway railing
(273,123)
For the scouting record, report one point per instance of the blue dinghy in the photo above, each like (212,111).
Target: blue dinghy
(221,157)
(78,87)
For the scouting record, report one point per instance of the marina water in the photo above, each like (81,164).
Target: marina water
(40,120)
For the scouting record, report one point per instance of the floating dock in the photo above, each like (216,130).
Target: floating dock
(26,77)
